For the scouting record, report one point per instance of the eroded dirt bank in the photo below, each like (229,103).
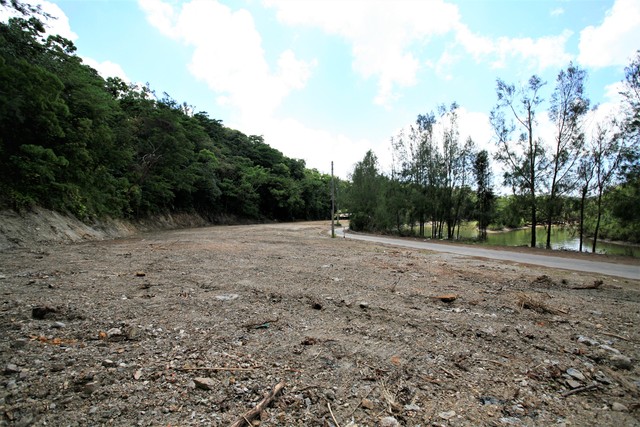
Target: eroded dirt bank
(192,327)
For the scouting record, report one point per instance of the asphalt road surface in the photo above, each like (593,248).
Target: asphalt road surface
(587,266)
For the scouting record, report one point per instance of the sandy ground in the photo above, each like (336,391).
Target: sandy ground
(195,326)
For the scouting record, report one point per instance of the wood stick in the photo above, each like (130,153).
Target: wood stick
(490,360)
(609,334)
(218,368)
(580,389)
(251,414)
(332,416)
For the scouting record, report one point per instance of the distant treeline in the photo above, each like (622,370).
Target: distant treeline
(74,142)
(585,177)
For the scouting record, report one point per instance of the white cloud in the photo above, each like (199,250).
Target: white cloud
(57,24)
(381,34)
(228,55)
(297,140)
(557,11)
(386,38)
(614,42)
(106,68)
(540,53)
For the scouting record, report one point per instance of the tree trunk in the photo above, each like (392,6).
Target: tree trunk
(534,223)
(582,202)
(549,222)
(595,233)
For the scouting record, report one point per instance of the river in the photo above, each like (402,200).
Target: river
(563,238)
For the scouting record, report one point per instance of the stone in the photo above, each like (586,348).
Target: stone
(411,407)
(114,332)
(610,349)
(587,341)
(573,383)
(41,312)
(204,383)
(11,368)
(227,297)
(90,388)
(619,361)
(367,404)
(58,325)
(365,305)
(19,343)
(132,333)
(108,363)
(57,367)
(447,415)
(330,394)
(389,422)
(602,378)
(576,374)
(619,407)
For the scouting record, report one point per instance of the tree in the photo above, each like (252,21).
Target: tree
(585,177)
(364,192)
(606,151)
(523,158)
(568,107)
(485,198)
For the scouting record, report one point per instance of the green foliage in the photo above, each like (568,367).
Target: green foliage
(510,212)
(74,142)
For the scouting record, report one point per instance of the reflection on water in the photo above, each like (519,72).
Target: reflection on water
(561,238)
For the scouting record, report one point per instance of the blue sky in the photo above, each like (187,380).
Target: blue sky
(329,80)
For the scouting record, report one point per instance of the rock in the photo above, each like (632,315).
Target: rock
(587,341)
(389,422)
(330,394)
(11,368)
(26,420)
(138,374)
(90,388)
(204,383)
(489,400)
(510,421)
(619,361)
(576,374)
(411,407)
(447,415)
(58,325)
(132,333)
(364,305)
(367,404)
(108,363)
(619,407)
(41,312)
(57,367)
(19,343)
(573,383)
(227,297)
(601,377)
(114,332)
(610,349)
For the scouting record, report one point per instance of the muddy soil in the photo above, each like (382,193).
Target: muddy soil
(196,326)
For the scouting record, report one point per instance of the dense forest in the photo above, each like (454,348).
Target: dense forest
(586,177)
(75,142)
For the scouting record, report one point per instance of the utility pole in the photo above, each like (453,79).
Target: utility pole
(333,231)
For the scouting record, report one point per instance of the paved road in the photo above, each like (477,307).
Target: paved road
(606,268)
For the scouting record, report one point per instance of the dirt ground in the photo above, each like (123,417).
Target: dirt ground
(196,326)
